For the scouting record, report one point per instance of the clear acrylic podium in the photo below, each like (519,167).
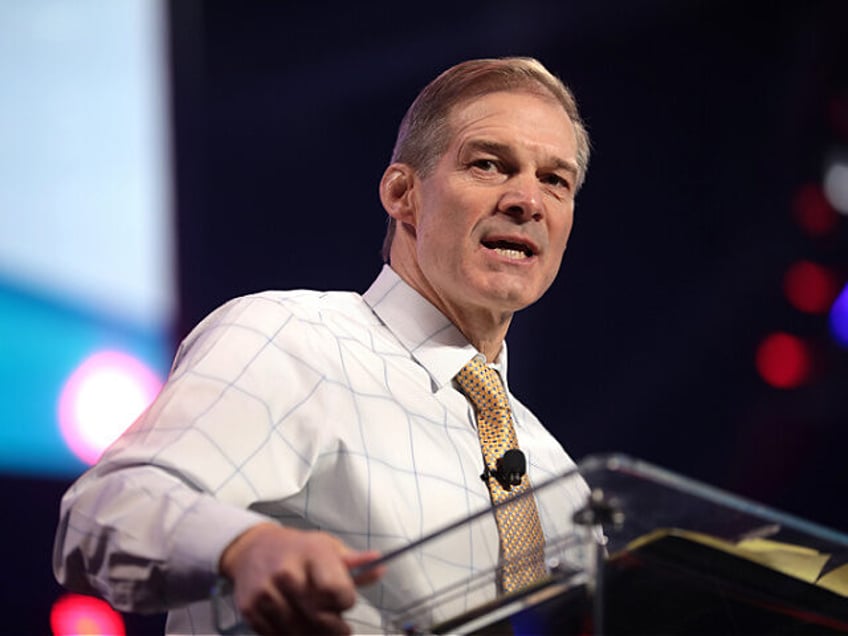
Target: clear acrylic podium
(651,552)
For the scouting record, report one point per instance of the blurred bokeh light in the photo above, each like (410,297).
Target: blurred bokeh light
(784,361)
(836,184)
(103,396)
(813,212)
(78,615)
(810,287)
(839,318)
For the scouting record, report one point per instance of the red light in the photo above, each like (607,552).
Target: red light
(78,615)
(810,287)
(784,361)
(813,212)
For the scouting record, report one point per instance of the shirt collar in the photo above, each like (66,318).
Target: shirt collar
(429,336)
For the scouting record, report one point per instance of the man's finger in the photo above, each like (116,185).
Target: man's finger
(330,586)
(268,614)
(359,561)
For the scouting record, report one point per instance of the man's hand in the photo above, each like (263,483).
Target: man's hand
(291,581)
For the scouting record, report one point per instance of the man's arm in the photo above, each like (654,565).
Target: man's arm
(147,527)
(142,538)
(164,545)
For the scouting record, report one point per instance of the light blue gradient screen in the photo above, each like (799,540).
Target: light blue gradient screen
(86,246)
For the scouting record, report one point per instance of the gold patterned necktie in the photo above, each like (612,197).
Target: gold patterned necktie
(519,529)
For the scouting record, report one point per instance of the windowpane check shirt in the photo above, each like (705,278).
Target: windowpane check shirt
(328,410)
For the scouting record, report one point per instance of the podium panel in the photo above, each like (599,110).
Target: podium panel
(652,552)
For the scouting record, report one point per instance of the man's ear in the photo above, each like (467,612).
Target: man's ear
(397,192)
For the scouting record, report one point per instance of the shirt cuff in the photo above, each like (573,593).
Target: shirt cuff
(199,540)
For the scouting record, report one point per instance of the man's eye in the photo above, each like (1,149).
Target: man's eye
(486,165)
(558,181)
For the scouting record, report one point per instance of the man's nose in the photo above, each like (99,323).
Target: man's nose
(522,198)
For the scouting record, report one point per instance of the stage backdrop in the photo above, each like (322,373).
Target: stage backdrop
(163,158)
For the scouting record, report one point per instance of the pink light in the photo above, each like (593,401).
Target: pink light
(75,615)
(101,398)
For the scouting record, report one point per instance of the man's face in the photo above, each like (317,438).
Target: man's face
(494,216)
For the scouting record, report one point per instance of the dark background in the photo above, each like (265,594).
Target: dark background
(706,120)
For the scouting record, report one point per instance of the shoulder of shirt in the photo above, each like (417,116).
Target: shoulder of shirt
(301,304)
(266,313)
(306,303)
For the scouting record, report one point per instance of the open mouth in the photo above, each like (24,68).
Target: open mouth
(509,249)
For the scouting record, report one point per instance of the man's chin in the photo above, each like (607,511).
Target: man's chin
(510,298)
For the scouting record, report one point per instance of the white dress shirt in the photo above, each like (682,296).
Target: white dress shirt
(335,411)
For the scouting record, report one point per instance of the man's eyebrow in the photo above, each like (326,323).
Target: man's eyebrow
(564,164)
(487,145)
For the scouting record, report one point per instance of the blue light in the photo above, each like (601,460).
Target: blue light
(839,318)
(42,341)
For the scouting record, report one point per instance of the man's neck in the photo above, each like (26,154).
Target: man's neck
(483,330)
(483,327)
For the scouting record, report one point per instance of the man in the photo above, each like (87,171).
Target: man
(301,434)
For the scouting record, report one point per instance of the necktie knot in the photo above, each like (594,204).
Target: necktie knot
(482,386)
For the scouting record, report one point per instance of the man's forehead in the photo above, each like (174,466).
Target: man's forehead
(463,108)
(469,120)
(537,92)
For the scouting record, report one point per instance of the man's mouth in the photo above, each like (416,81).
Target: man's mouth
(510,249)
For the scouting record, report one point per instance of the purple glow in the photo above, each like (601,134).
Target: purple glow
(101,398)
(839,318)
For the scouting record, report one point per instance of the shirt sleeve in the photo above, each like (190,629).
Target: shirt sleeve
(143,539)
(145,527)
